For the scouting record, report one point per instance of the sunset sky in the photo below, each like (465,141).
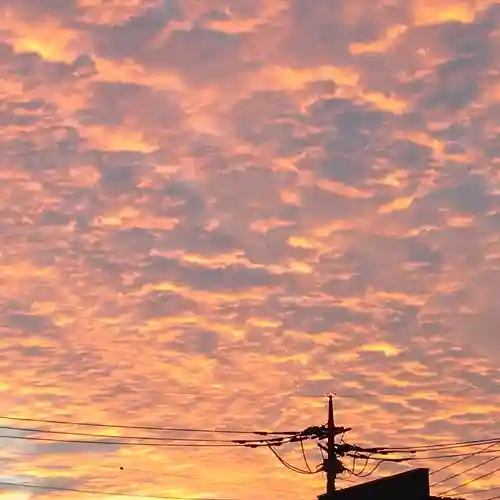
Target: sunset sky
(214,212)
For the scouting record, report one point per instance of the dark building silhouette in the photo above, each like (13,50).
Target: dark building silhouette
(411,485)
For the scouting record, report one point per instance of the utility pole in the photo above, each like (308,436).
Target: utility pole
(331,464)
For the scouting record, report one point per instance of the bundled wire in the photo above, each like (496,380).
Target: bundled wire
(362,472)
(353,472)
(304,456)
(370,472)
(294,468)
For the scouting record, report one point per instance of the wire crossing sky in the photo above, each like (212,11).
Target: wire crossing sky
(213,213)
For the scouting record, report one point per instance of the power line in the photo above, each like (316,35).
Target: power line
(126,443)
(459,461)
(164,442)
(436,447)
(414,459)
(474,467)
(122,471)
(182,444)
(455,462)
(146,438)
(413,451)
(109,493)
(147,427)
(473,480)
(474,492)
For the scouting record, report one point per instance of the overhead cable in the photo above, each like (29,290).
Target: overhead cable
(470,481)
(126,443)
(97,492)
(437,446)
(459,461)
(147,427)
(145,438)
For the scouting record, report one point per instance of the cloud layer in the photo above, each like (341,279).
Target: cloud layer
(213,212)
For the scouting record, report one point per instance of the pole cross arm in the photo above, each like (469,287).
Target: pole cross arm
(336,431)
